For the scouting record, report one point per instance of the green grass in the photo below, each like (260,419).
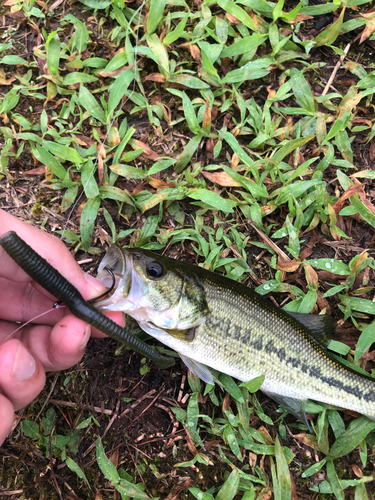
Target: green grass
(241,138)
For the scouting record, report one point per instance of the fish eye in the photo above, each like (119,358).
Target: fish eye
(154,270)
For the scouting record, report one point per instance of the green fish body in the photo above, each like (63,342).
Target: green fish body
(212,321)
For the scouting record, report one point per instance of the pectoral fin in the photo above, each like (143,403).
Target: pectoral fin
(199,370)
(187,335)
(294,406)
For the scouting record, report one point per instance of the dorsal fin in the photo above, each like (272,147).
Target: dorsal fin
(320,327)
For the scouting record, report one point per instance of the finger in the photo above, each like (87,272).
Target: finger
(6,417)
(21,376)
(116,316)
(59,347)
(62,346)
(22,302)
(52,249)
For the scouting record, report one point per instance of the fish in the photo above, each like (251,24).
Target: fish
(214,322)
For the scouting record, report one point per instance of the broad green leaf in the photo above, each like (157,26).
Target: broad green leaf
(352,437)
(114,193)
(289,147)
(190,114)
(250,71)
(283,474)
(328,36)
(50,161)
(257,190)
(88,101)
(277,10)
(189,81)
(230,488)
(130,490)
(240,152)
(362,305)
(212,199)
(155,14)
(127,171)
(208,65)
(161,165)
(310,471)
(366,339)
(363,211)
(334,481)
(30,429)
(12,60)
(175,34)
(88,180)
(148,230)
(331,265)
(160,53)
(53,55)
(254,385)
(244,45)
(96,4)
(73,78)
(238,12)
(73,466)
(187,153)
(69,196)
(231,387)
(66,153)
(88,217)
(118,90)
(117,61)
(200,495)
(303,94)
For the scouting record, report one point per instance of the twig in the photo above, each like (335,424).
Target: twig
(110,423)
(136,466)
(335,70)
(47,400)
(147,407)
(51,463)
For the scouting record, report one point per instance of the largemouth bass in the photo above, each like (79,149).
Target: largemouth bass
(212,321)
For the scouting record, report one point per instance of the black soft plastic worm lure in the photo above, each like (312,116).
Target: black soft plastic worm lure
(52,281)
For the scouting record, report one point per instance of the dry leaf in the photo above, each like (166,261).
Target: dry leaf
(158,184)
(370,28)
(299,18)
(35,171)
(155,77)
(116,72)
(288,267)
(235,160)
(266,494)
(308,440)
(221,178)
(372,150)
(337,207)
(195,52)
(206,124)
(311,276)
(232,19)
(147,153)
(323,303)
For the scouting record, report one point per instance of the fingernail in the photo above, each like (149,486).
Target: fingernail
(94,283)
(24,364)
(85,338)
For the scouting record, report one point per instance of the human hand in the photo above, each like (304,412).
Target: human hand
(56,340)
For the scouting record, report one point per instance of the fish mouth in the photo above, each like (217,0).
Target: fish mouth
(120,262)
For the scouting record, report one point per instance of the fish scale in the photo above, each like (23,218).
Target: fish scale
(238,333)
